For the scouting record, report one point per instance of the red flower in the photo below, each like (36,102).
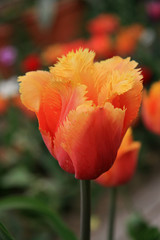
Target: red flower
(147,74)
(31,63)
(73,46)
(101,44)
(104,23)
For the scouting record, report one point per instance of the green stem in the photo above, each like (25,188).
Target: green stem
(85,210)
(112,210)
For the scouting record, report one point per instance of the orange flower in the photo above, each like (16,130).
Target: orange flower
(151,108)
(73,45)
(3,105)
(52,52)
(101,44)
(103,23)
(83,109)
(127,39)
(125,164)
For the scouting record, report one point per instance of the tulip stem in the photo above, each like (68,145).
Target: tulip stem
(85,210)
(112,211)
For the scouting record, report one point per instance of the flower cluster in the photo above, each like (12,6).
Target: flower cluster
(107,38)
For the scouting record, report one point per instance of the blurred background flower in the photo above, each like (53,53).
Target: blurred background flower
(8,55)
(151,108)
(103,24)
(153,9)
(31,63)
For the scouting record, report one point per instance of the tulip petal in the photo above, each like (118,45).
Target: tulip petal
(31,88)
(122,83)
(77,68)
(123,168)
(36,93)
(61,153)
(50,115)
(117,84)
(124,165)
(131,101)
(69,66)
(50,110)
(107,67)
(69,98)
(88,134)
(48,140)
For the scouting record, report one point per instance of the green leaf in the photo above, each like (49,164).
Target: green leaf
(37,206)
(4,234)
(139,229)
(17,177)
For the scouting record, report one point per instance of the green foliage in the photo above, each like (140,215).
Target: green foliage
(38,207)
(4,234)
(139,229)
(128,11)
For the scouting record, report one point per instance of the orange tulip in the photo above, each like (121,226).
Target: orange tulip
(101,44)
(52,52)
(125,164)
(103,23)
(83,109)
(151,108)
(127,39)
(3,104)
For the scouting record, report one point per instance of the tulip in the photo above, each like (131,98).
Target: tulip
(125,164)
(127,39)
(120,173)
(84,109)
(31,63)
(101,44)
(103,23)
(3,105)
(52,52)
(151,108)
(153,9)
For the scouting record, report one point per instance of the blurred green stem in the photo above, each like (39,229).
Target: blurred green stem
(112,211)
(85,210)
